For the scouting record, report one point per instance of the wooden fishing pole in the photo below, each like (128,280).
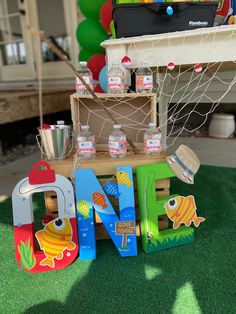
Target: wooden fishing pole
(64,58)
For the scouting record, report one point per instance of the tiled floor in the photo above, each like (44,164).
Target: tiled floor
(210,152)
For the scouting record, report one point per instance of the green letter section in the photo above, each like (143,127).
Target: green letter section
(151,207)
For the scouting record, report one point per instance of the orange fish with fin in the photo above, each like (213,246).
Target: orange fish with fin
(99,199)
(54,239)
(182,210)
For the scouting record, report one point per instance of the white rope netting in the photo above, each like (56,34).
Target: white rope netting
(186,90)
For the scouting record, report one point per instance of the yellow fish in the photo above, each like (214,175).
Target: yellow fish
(123,178)
(54,239)
(182,210)
(83,208)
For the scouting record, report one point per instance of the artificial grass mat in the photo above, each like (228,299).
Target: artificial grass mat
(194,278)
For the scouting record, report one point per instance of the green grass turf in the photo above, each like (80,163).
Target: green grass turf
(194,278)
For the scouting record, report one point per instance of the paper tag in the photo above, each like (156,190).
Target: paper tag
(152,145)
(115,83)
(80,86)
(144,82)
(86,147)
(117,147)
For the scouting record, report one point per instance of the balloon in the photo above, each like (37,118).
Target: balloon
(91,8)
(90,34)
(98,89)
(103,78)
(106,15)
(95,64)
(85,55)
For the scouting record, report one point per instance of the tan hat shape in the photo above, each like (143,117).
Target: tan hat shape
(185,164)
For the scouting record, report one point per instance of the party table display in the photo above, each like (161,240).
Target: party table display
(58,239)
(119,170)
(120,188)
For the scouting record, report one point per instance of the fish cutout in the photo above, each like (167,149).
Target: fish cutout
(83,208)
(123,178)
(54,239)
(99,199)
(112,189)
(182,210)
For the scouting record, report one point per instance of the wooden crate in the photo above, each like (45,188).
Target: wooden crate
(104,167)
(126,108)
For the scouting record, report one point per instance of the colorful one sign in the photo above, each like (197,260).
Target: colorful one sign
(58,239)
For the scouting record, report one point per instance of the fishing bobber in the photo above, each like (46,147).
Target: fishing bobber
(198,68)
(169,10)
(126,62)
(171,66)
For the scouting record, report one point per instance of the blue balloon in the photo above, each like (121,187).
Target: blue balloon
(169,10)
(103,78)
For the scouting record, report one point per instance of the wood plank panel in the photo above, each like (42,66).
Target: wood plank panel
(23,107)
(103,164)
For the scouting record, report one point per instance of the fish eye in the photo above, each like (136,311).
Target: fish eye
(59,224)
(172,204)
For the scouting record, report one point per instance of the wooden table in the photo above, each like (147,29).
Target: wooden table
(103,164)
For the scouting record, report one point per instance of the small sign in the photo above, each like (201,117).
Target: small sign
(124,228)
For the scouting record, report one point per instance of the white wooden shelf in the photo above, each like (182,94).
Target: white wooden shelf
(201,45)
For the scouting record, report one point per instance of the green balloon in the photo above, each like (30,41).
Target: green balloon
(90,34)
(91,8)
(85,55)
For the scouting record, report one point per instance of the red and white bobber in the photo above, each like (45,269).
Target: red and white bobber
(198,68)
(126,62)
(171,66)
